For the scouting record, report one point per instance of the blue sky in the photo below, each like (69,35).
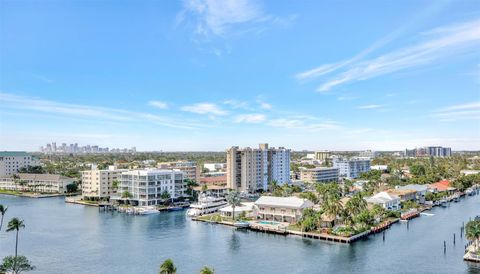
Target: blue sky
(206,75)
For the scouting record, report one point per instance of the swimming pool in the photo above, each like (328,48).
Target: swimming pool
(268,223)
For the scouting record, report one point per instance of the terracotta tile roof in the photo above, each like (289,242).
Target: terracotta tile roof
(443,185)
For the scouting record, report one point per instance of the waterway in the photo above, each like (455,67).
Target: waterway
(68,238)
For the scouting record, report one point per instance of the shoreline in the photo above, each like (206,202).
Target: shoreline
(34,196)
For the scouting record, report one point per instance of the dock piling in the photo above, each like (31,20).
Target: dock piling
(444,246)
(453,238)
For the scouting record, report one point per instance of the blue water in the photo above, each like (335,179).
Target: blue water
(66,238)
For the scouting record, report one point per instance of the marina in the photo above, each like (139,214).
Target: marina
(104,241)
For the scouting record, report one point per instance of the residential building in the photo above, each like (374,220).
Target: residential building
(43,183)
(421,191)
(322,155)
(245,208)
(386,200)
(211,167)
(280,209)
(434,151)
(219,180)
(367,154)
(351,168)
(190,170)
(382,168)
(441,186)
(146,186)
(12,161)
(319,174)
(250,170)
(403,194)
(99,184)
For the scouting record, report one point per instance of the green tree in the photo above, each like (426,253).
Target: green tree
(126,195)
(233,199)
(115,185)
(15,224)
(167,267)
(204,188)
(16,265)
(472,232)
(207,270)
(71,188)
(309,196)
(165,195)
(365,218)
(3,210)
(418,170)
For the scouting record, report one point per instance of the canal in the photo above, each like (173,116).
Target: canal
(68,238)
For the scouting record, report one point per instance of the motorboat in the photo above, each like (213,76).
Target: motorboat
(147,210)
(443,202)
(469,192)
(206,204)
(241,224)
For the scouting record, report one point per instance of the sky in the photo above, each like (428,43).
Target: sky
(204,75)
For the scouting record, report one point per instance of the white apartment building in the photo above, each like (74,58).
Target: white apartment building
(319,175)
(147,185)
(190,169)
(322,155)
(250,169)
(351,168)
(98,183)
(12,161)
(43,183)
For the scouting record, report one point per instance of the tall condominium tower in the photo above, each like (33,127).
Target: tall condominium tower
(251,169)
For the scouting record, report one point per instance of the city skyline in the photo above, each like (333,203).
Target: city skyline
(207,75)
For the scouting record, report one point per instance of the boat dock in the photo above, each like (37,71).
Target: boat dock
(469,255)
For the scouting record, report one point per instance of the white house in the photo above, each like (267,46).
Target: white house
(244,207)
(280,209)
(420,189)
(386,200)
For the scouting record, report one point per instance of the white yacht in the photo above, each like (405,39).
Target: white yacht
(206,204)
(147,210)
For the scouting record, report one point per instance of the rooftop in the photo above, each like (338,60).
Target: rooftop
(288,202)
(13,153)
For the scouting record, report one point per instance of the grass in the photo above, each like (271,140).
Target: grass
(10,192)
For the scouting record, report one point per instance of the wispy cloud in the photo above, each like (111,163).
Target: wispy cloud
(372,106)
(250,118)
(468,111)
(291,123)
(437,44)
(86,111)
(236,104)
(215,17)
(158,104)
(204,108)
(346,98)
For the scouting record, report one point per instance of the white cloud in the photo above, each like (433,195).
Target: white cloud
(264,105)
(217,16)
(468,111)
(158,104)
(250,118)
(440,43)
(204,108)
(89,112)
(235,104)
(372,106)
(346,98)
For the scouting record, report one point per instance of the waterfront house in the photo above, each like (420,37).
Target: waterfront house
(441,186)
(420,190)
(403,194)
(244,208)
(386,200)
(281,209)
(43,183)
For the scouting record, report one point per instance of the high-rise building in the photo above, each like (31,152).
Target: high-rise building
(12,161)
(351,168)
(251,169)
(434,151)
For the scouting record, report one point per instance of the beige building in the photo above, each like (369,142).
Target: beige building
(319,175)
(280,209)
(42,183)
(251,169)
(189,169)
(98,183)
(322,155)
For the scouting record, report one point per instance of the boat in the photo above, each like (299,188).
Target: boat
(241,224)
(175,208)
(443,202)
(147,210)
(437,203)
(205,205)
(469,192)
(456,198)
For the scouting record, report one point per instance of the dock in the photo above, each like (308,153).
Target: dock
(470,256)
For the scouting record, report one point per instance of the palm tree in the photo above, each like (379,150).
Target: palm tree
(3,210)
(233,199)
(15,178)
(207,270)
(273,185)
(15,224)
(115,184)
(333,207)
(167,267)
(472,232)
